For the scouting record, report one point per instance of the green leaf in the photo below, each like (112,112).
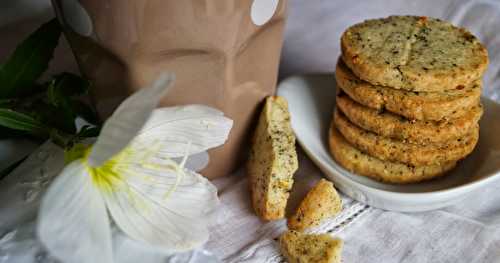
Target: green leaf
(10,168)
(62,92)
(4,103)
(61,118)
(20,121)
(30,60)
(60,138)
(60,109)
(6,133)
(64,86)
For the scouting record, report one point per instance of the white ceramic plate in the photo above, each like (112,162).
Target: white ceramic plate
(311,100)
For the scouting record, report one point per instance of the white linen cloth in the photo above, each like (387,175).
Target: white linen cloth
(466,232)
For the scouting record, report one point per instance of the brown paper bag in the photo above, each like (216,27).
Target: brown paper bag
(225,54)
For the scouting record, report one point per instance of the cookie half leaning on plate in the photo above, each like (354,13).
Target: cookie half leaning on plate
(273,160)
(413,53)
(426,106)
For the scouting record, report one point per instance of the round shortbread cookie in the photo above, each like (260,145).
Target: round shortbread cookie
(434,106)
(413,53)
(394,126)
(387,149)
(392,172)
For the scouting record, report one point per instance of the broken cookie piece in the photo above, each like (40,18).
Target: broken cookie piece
(321,202)
(307,248)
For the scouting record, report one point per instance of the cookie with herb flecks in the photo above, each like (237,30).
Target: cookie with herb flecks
(397,127)
(273,160)
(413,53)
(320,203)
(426,106)
(309,248)
(388,149)
(363,164)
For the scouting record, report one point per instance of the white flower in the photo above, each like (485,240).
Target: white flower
(129,174)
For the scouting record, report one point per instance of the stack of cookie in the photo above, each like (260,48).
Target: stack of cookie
(408,104)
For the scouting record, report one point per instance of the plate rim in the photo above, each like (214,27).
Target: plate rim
(340,171)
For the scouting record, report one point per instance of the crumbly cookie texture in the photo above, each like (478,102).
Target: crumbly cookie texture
(320,203)
(306,248)
(391,150)
(363,164)
(397,127)
(413,53)
(426,106)
(273,160)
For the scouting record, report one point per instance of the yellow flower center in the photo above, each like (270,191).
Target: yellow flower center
(109,176)
(105,176)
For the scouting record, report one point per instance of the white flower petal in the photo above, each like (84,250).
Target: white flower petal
(152,205)
(171,129)
(127,120)
(72,221)
(195,162)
